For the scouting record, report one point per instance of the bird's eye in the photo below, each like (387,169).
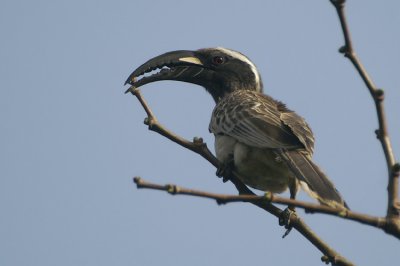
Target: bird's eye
(218,60)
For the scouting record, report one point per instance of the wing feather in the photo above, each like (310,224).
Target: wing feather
(299,128)
(259,121)
(255,119)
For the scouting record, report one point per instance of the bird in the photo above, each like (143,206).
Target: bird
(268,145)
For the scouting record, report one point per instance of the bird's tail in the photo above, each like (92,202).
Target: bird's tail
(312,179)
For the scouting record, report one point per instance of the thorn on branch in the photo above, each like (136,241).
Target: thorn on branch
(149,121)
(347,51)
(198,141)
(343,213)
(220,201)
(396,203)
(396,169)
(268,196)
(378,133)
(379,94)
(338,3)
(325,259)
(343,50)
(137,180)
(172,189)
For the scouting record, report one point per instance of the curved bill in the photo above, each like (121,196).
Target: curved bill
(177,65)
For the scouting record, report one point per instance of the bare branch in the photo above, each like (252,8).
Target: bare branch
(268,197)
(393,209)
(199,147)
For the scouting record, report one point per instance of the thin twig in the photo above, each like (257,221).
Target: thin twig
(199,147)
(393,209)
(266,198)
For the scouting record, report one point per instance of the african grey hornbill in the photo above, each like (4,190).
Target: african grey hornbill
(268,145)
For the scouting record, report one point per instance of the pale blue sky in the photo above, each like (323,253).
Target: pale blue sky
(71,141)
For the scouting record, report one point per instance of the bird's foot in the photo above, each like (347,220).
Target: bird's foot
(225,169)
(284,219)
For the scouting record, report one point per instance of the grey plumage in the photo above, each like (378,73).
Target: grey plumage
(269,145)
(281,144)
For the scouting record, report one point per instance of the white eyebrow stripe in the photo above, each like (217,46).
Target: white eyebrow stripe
(244,59)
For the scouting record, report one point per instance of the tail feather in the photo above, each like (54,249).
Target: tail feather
(312,179)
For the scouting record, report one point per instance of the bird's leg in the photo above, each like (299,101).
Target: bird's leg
(226,168)
(293,188)
(284,218)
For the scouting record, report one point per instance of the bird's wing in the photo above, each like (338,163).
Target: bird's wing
(255,119)
(259,121)
(299,128)
(312,179)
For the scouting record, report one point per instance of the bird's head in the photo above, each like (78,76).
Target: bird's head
(218,70)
